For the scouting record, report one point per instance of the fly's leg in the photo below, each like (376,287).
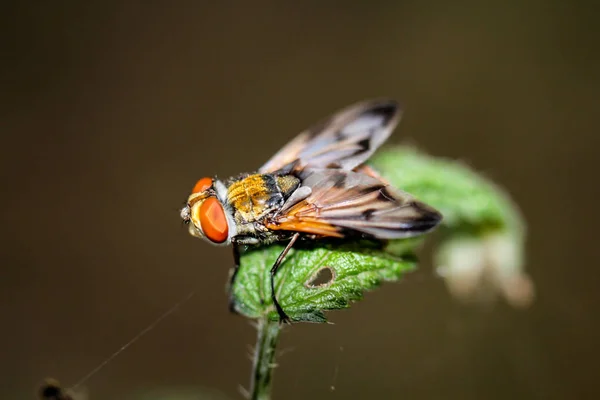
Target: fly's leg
(282,315)
(236,268)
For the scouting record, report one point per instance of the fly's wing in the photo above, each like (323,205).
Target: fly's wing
(343,202)
(343,141)
(368,170)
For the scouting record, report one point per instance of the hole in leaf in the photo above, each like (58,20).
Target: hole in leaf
(323,277)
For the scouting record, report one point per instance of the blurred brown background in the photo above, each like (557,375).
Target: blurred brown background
(111,111)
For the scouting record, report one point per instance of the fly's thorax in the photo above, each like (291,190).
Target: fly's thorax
(254,196)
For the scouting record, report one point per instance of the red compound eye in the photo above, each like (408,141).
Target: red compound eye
(213,220)
(202,185)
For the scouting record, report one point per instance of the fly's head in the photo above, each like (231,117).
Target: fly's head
(206,212)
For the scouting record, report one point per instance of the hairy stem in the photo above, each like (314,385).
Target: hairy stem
(264,357)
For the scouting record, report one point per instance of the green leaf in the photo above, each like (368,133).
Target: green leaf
(313,279)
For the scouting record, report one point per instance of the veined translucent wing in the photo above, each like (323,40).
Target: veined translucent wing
(343,202)
(343,141)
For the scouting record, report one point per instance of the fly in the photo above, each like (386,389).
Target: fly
(317,186)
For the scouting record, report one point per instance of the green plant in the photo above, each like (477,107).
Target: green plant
(481,237)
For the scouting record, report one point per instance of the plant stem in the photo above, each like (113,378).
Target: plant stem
(264,356)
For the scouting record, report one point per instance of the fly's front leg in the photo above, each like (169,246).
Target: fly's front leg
(282,315)
(233,274)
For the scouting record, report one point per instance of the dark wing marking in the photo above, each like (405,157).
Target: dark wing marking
(344,140)
(342,201)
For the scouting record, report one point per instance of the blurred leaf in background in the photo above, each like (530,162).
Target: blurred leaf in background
(481,250)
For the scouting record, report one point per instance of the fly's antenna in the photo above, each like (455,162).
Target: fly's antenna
(184,213)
